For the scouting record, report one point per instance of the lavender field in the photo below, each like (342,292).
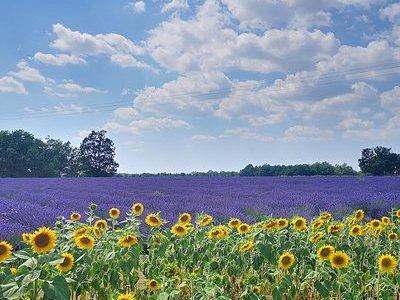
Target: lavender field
(28,203)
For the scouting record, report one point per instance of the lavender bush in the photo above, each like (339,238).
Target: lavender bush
(28,203)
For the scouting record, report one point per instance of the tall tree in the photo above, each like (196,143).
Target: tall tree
(379,161)
(97,154)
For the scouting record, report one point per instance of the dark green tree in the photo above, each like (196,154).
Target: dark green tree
(96,155)
(379,161)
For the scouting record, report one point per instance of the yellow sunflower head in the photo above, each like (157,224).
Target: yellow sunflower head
(282,223)
(270,225)
(244,228)
(128,241)
(152,285)
(397,213)
(336,228)
(214,233)
(75,216)
(84,242)
(375,224)
(324,252)
(179,230)
(387,263)
(234,222)
(315,238)
(247,247)
(392,236)
(43,240)
(339,260)
(385,221)
(101,224)
(26,238)
(5,250)
(185,218)
(317,224)
(128,296)
(114,213)
(205,220)
(153,220)
(223,231)
(82,230)
(299,223)
(359,215)
(67,264)
(286,260)
(355,230)
(137,209)
(325,217)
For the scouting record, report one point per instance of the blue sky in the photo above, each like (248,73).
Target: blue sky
(198,85)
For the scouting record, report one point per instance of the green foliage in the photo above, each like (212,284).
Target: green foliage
(379,161)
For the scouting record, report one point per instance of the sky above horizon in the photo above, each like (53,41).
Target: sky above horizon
(197,85)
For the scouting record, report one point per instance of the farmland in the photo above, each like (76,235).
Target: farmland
(26,204)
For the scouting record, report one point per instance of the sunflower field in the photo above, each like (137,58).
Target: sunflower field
(121,257)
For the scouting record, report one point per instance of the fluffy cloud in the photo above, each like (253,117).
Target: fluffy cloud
(10,85)
(174,5)
(138,6)
(152,123)
(69,89)
(391,13)
(121,50)
(58,59)
(306,133)
(354,123)
(28,73)
(293,14)
(185,45)
(126,113)
(391,99)
(183,95)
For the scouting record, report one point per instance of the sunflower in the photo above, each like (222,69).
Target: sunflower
(234,222)
(75,216)
(223,231)
(137,209)
(84,242)
(325,217)
(128,296)
(339,260)
(214,233)
(317,224)
(67,264)
(184,218)
(5,250)
(152,285)
(392,236)
(387,263)
(101,224)
(324,252)
(97,232)
(282,223)
(397,213)
(299,223)
(43,240)
(316,237)
(385,221)
(26,237)
(82,230)
(114,213)
(128,241)
(271,225)
(336,228)
(359,215)
(247,247)
(375,224)
(153,220)
(205,220)
(244,228)
(256,290)
(179,230)
(286,260)
(355,230)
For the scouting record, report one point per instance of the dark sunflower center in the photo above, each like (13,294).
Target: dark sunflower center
(286,260)
(386,262)
(2,249)
(339,260)
(299,223)
(66,262)
(42,240)
(153,284)
(85,240)
(138,208)
(180,229)
(153,219)
(129,239)
(184,218)
(325,252)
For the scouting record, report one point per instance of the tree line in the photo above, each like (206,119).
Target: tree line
(23,155)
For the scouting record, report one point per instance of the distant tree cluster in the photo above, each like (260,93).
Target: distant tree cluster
(379,161)
(23,155)
(323,168)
